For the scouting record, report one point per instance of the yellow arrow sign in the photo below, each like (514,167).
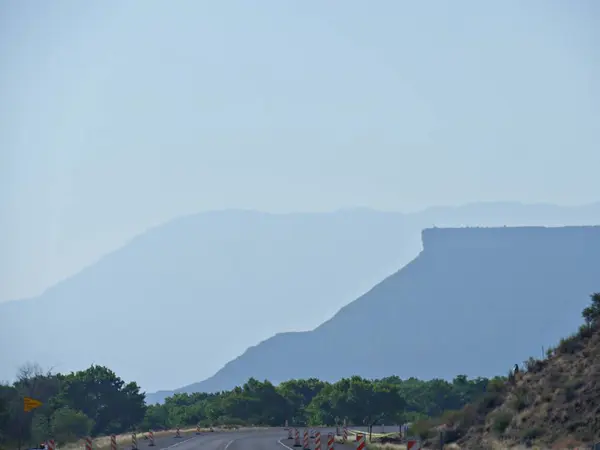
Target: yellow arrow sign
(30,403)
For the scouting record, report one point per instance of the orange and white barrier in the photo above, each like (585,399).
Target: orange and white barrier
(198,429)
(113,442)
(88,443)
(345,436)
(330,441)
(51,445)
(306,445)
(177,433)
(297,438)
(318,440)
(151,437)
(413,445)
(361,442)
(134,441)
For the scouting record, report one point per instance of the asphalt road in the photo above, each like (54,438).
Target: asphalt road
(267,439)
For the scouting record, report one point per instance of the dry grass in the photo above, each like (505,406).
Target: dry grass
(375,435)
(377,446)
(495,445)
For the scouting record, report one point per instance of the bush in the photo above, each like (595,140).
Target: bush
(519,400)
(488,401)
(501,420)
(591,314)
(570,345)
(531,433)
(423,429)
(69,425)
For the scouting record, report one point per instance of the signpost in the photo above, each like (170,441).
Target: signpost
(29,404)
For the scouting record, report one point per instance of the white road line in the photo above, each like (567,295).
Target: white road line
(289,448)
(229,443)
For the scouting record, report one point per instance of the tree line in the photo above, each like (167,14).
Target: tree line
(96,402)
(92,402)
(314,402)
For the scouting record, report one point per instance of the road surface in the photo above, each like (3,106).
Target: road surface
(266,439)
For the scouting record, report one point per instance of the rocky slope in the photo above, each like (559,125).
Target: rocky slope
(554,403)
(475,301)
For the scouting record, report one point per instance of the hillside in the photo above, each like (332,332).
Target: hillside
(474,301)
(176,288)
(179,290)
(555,402)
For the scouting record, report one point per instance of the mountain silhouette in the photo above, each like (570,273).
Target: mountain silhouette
(197,291)
(475,301)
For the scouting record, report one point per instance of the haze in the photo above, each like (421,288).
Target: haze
(116,116)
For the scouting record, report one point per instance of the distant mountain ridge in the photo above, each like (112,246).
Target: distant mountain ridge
(474,301)
(179,289)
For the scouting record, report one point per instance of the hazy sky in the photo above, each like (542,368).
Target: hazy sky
(117,115)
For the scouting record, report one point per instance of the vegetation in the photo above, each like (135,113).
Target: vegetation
(314,402)
(550,402)
(90,402)
(97,402)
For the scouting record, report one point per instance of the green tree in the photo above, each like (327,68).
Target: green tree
(68,425)
(298,394)
(115,407)
(591,314)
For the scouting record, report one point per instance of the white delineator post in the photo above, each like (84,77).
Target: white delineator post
(306,443)
(330,441)
(88,443)
(290,433)
(318,440)
(361,442)
(134,441)
(345,437)
(413,445)
(113,442)
(198,429)
(297,439)
(177,433)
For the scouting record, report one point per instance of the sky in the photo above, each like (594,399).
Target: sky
(116,116)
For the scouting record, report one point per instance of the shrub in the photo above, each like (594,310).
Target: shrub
(488,401)
(423,429)
(69,425)
(570,345)
(519,400)
(531,433)
(501,420)
(591,314)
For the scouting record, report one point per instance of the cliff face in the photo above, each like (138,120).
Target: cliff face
(475,301)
